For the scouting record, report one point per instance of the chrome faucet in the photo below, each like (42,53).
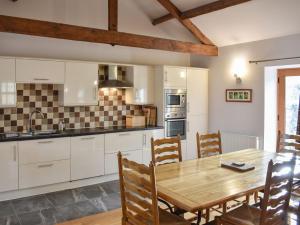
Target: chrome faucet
(30,118)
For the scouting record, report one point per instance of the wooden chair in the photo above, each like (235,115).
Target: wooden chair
(275,202)
(166,150)
(139,196)
(209,144)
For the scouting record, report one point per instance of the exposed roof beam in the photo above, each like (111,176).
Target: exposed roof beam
(174,11)
(113,15)
(77,33)
(201,10)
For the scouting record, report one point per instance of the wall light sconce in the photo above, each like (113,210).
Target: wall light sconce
(239,69)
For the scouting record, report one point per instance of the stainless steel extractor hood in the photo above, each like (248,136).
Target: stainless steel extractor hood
(113,81)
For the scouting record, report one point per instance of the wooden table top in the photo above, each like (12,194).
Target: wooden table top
(201,183)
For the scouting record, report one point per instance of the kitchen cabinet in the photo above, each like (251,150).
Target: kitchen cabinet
(7,82)
(8,166)
(40,71)
(197,108)
(87,156)
(81,84)
(142,92)
(174,77)
(111,160)
(148,134)
(43,162)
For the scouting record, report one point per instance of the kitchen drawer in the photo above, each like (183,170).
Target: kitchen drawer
(39,174)
(111,160)
(125,141)
(44,150)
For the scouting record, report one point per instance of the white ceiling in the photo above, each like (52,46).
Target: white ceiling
(247,22)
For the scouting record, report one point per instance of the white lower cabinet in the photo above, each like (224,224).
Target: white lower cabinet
(44,162)
(148,134)
(8,166)
(111,160)
(87,156)
(39,174)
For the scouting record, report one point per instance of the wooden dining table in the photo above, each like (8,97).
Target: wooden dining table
(198,184)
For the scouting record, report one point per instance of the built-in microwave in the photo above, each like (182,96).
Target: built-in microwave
(175,98)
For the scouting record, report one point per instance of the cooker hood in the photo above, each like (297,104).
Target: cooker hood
(113,81)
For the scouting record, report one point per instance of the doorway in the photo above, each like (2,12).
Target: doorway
(288,100)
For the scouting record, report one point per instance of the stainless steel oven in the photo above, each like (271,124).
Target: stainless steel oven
(173,127)
(175,98)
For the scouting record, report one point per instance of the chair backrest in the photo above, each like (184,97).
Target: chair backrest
(278,189)
(138,193)
(166,150)
(288,143)
(209,144)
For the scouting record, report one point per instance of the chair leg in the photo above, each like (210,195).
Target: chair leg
(255,196)
(225,207)
(247,199)
(199,214)
(207,215)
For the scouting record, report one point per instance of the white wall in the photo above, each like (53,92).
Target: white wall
(90,13)
(246,118)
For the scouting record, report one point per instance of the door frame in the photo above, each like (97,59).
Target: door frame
(281,75)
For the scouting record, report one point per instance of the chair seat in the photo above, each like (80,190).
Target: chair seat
(244,215)
(166,218)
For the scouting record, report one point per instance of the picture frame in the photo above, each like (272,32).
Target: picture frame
(238,95)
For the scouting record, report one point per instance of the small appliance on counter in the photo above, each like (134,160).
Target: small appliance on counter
(135,121)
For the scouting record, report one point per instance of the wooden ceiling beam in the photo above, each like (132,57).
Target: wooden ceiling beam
(201,10)
(174,11)
(113,15)
(77,33)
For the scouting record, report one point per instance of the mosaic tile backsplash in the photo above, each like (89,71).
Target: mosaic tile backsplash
(111,110)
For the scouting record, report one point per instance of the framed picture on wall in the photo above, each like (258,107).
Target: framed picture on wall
(238,95)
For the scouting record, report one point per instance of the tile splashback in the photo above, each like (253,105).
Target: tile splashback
(111,110)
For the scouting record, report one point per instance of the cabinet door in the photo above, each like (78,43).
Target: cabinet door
(156,134)
(194,124)
(8,166)
(197,91)
(111,160)
(143,86)
(87,157)
(40,71)
(81,84)
(7,82)
(175,77)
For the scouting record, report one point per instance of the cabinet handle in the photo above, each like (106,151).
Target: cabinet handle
(144,140)
(45,165)
(44,142)
(40,79)
(96,93)
(124,134)
(88,138)
(15,153)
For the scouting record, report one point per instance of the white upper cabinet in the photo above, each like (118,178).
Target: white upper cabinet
(40,71)
(142,92)
(81,84)
(8,166)
(197,91)
(7,82)
(174,77)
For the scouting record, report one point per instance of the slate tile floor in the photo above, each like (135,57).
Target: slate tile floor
(56,207)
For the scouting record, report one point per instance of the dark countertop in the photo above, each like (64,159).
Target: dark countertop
(77,132)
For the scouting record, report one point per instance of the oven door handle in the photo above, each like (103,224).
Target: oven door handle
(171,120)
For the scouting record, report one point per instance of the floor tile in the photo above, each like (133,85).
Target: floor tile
(9,220)
(90,192)
(30,204)
(112,201)
(32,218)
(52,216)
(111,187)
(86,208)
(70,212)
(6,209)
(67,197)
(99,204)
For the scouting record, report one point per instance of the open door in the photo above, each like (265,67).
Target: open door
(288,100)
